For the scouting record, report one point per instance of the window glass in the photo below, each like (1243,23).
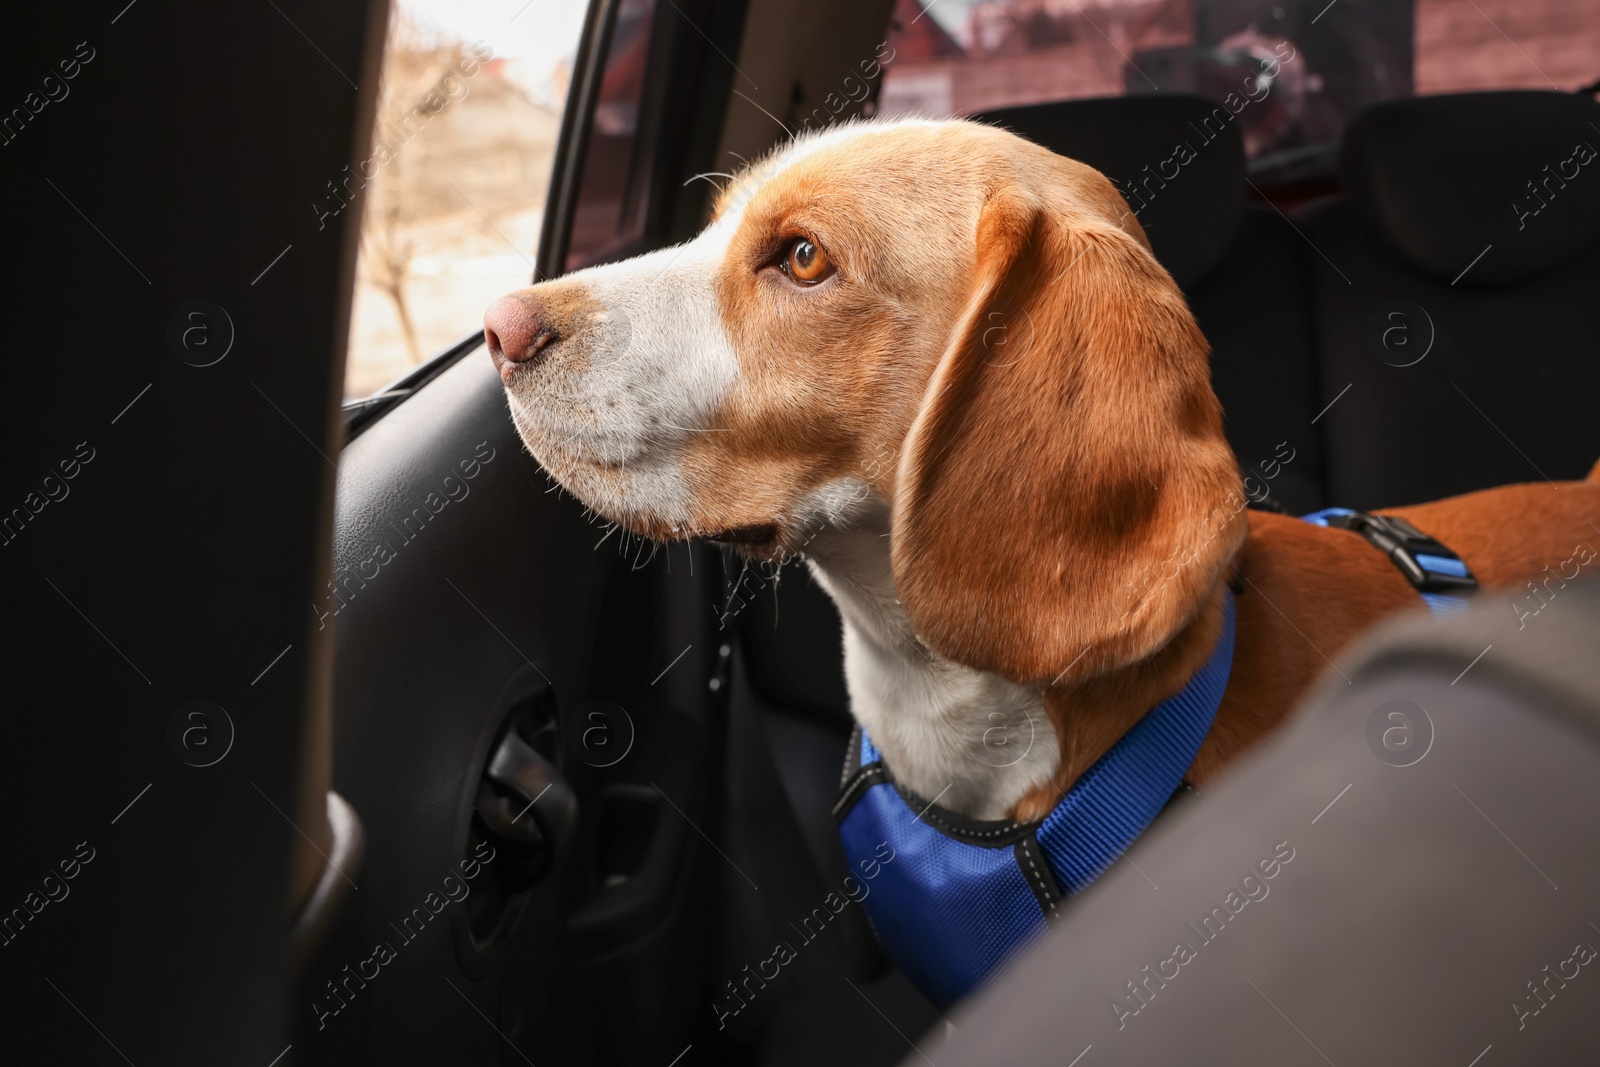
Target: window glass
(610,208)
(453,191)
(1304,67)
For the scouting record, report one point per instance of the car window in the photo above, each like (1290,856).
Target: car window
(1292,71)
(611,199)
(453,191)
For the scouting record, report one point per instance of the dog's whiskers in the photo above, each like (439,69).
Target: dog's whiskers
(708,175)
(769,115)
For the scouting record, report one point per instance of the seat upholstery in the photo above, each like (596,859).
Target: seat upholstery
(1255,309)
(1379,899)
(1137,142)
(1456,296)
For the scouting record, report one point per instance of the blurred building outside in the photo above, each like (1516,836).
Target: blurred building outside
(960,57)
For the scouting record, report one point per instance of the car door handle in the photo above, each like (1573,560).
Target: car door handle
(524,798)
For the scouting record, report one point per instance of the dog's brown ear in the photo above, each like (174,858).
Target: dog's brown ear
(1066,497)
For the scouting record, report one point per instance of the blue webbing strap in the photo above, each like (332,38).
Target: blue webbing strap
(1118,798)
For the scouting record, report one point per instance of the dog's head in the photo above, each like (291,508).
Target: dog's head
(935,317)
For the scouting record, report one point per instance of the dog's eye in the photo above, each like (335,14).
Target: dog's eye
(807,263)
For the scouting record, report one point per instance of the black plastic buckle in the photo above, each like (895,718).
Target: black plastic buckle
(1427,564)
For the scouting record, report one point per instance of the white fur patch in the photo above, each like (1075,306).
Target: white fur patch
(658,365)
(973,741)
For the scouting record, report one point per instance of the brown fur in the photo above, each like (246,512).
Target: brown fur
(1088,455)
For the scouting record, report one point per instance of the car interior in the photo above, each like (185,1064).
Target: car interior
(537,791)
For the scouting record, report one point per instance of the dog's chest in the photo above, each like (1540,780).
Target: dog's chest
(973,741)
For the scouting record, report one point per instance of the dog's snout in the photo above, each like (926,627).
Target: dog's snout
(515,331)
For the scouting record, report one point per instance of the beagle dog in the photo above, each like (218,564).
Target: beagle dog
(941,364)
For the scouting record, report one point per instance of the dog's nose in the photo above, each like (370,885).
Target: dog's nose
(515,332)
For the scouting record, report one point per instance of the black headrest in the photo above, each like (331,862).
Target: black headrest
(1439,179)
(1178,160)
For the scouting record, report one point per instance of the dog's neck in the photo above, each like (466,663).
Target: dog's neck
(973,741)
(979,744)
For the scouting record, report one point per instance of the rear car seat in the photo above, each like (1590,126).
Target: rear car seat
(1408,921)
(1468,241)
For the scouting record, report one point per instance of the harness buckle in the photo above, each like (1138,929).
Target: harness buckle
(1428,565)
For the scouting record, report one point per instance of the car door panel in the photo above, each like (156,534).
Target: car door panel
(469,593)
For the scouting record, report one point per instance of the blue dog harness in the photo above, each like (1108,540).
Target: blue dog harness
(962,895)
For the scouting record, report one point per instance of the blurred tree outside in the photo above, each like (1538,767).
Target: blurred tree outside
(459,166)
